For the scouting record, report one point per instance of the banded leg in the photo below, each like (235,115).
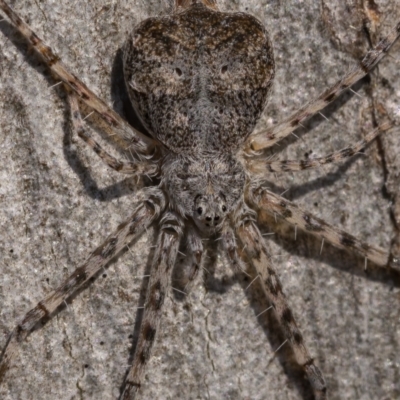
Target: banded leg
(124,167)
(258,255)
(150,204)
(195,248)
(260,166)
(141,143)
(274,204)
(278,132)
(230,246)
(159,282)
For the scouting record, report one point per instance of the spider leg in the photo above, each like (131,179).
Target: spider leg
(275,204)
(260,166)
(159,283)
(278,132)
(142,143)
(195,247)
(124,167)
(230,247)
(253,242)
(150,203)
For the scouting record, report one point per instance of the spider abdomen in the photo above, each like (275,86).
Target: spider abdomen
(199,79)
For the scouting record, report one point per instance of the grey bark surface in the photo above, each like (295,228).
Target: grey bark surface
(58,202)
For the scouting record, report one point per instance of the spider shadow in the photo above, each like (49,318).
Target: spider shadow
(322,182)
(274,334)
(329,112)
(338,259)
(258,303)
(306,246)
(298,191)
(309,247)
(95,277)
(181,271)
(122,106)
(74,160)
(179,278)
(352,264)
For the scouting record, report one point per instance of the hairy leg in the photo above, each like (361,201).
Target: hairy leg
(150,203)
(140,142)
(124,167)
(272,203)
(278,132)
(258,255)
(259,166)
(159,283)
(195,248)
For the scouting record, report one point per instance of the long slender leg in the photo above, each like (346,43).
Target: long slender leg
(150,203)
(124,167)
(195,248)
(274,204)
(258,255)
(159,282)
(230,247)
(276,133)
(142,143)
(260,166)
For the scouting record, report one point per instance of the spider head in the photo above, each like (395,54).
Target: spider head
(206,189)
(209,210)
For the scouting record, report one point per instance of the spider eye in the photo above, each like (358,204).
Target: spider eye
(200,210)
(223,208)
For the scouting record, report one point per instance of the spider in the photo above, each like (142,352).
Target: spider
(174,225)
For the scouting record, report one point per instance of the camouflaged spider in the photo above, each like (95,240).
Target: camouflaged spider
(176,77)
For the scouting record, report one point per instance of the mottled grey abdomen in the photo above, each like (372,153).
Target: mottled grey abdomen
(199,79)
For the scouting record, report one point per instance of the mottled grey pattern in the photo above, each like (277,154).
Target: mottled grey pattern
(199,79)
(204,188)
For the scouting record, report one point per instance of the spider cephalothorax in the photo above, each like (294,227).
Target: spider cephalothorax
(204,187)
